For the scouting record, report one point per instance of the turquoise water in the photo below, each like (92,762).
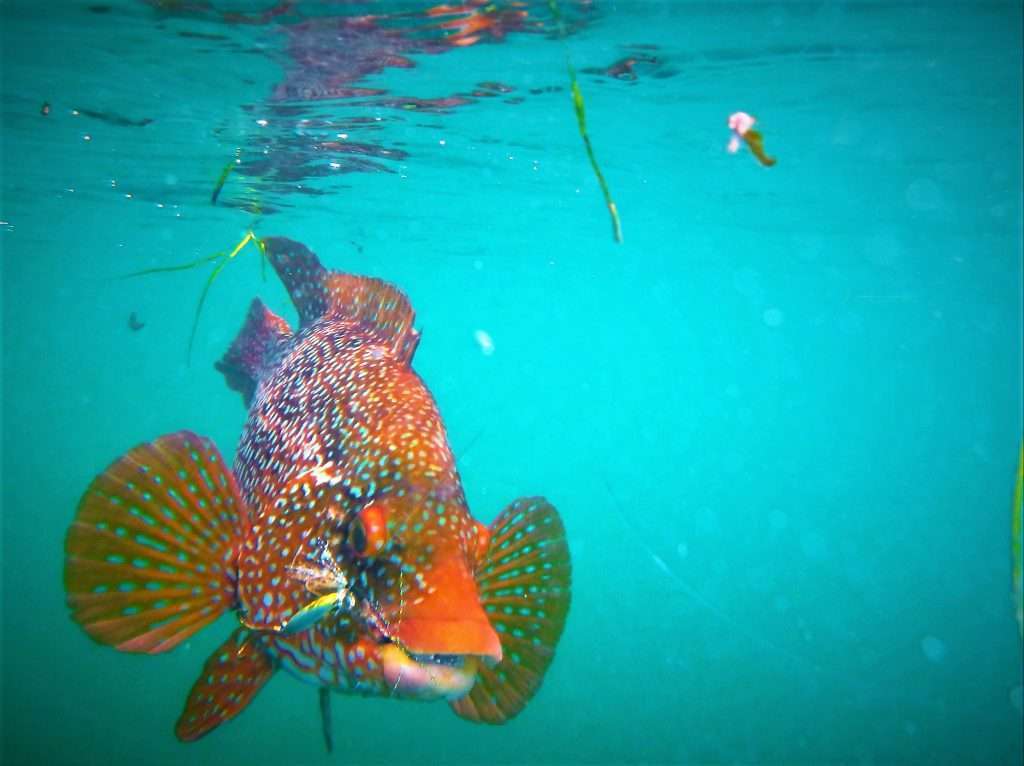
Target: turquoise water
(780,420)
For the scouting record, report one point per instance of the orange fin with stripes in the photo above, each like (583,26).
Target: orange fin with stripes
(231,677)
(151,556)
(524,582)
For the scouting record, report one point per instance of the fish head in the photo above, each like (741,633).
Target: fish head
(417,592)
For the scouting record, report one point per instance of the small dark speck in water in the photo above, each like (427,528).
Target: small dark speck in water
(45,108)
(133,322)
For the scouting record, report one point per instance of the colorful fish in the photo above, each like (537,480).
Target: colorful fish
(341,539)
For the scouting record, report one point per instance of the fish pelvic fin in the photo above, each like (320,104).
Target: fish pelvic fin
(256,349)
(151,556)
(231,677)
(380,309)
(524,581)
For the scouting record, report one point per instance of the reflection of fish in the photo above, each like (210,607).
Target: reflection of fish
(1016,531)
(333,55)
(342,537)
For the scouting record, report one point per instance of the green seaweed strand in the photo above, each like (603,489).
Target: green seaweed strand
(581,119)
(179,267)
(202,299)
(222,179)
(221,260)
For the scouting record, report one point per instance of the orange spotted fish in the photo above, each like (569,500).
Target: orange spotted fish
(341,539)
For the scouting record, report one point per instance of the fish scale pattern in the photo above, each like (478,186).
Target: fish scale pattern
(341,422)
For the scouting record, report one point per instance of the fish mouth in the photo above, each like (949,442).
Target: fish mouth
(411,671)
(427,676)
(431,646)
(448,660)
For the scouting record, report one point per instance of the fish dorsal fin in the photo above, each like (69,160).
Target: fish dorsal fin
(256,349)
(378,307)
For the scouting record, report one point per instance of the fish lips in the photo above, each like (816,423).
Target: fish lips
(469,635)
(427,678)
(447,619)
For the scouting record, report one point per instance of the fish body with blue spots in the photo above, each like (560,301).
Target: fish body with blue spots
(341,538)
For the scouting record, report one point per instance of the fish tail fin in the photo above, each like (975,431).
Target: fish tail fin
(151,556)
(256,349)
(524,581)
(381,309)
(231,677)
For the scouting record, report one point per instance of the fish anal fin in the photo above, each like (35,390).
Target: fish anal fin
(255,350)
(230,679)
(379,308)
(524,580)
(152,554)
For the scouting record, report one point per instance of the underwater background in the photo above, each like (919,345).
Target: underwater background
(781,419)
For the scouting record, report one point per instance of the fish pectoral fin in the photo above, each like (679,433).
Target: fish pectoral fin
(151,556)
(524,577)
(325,717)
(231,677)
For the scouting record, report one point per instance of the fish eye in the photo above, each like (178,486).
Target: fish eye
(368,534)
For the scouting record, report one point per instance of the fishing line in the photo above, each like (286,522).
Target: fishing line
(401,614)
(759,641)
